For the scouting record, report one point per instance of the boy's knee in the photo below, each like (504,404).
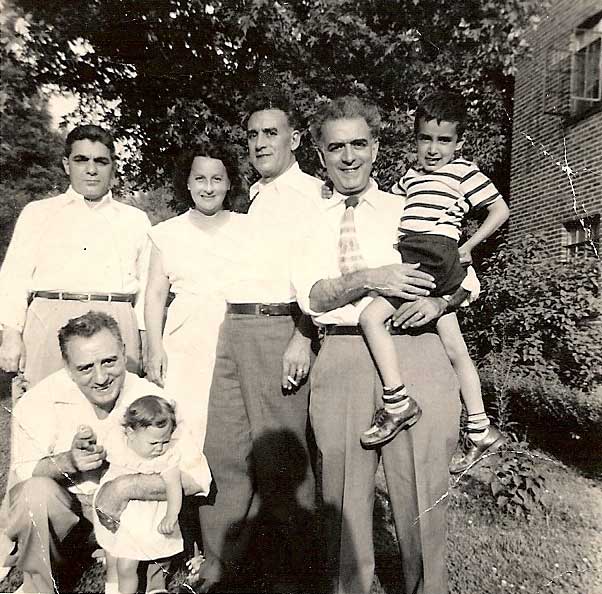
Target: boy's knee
(366,319)
(456,352)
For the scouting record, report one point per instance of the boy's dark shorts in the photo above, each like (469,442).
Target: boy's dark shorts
(438,256)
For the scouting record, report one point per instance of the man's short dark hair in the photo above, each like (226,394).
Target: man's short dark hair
(87,325)
(442,106)
(92,133)
(214,150)
(270,97)
(347,107)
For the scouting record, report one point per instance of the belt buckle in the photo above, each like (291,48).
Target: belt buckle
(264,310)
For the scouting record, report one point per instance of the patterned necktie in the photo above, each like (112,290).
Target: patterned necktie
(350,255)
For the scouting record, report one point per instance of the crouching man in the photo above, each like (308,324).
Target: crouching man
(58,455)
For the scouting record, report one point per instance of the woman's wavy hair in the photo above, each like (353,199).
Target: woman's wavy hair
(214,150)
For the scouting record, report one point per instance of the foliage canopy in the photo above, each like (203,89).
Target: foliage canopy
(181,68)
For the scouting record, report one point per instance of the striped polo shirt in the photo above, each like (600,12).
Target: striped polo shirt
(436,202)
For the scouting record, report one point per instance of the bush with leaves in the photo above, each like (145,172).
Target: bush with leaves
(538,312)
(537,403)
(517,484)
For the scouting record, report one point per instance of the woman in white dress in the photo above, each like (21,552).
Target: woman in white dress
(195,254)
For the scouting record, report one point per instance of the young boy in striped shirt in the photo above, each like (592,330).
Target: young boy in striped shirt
(439,191)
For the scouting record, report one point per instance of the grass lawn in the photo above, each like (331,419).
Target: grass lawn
(559,551)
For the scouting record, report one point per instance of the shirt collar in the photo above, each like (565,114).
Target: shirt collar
(369,196)
(284,179)
(74,196)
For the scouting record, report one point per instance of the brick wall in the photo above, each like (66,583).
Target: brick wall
(540,193)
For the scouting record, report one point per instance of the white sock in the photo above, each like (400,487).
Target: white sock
(111,588)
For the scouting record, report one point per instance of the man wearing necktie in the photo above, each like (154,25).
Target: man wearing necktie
(340,263)
(260,386)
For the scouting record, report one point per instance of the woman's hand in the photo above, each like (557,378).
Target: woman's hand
(156,365)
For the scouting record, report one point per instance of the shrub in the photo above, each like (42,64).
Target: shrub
(543,402)
(536,311)
(517,485)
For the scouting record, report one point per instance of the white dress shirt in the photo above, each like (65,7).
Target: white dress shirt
(316,252)
(48,416)
(67,244)
(279,209)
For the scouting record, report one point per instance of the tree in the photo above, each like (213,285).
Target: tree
(30,152)
(180,69)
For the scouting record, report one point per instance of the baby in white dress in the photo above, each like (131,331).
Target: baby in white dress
(147,443)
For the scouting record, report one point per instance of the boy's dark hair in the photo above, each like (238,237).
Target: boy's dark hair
(86,326)
(442,106)
(150,411)
(267,96)
(92,133)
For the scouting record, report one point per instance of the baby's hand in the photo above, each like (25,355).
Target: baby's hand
(465,255)
(167,525)
(326,190)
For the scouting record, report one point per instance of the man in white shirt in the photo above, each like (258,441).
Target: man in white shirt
(69,253)
(346,388)
(263,355)
(58,455)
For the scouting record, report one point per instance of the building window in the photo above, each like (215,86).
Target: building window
(586,67)
(573,73)
(582,237)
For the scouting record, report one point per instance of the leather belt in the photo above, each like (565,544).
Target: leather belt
(66,296)
(332,330)
(264,309)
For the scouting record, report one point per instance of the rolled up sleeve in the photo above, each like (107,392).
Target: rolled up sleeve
(193,463)
(308,266)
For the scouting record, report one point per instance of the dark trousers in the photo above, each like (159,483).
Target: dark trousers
(256,442)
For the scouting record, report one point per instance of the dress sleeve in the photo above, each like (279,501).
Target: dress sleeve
(142,264)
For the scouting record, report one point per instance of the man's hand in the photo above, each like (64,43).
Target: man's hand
(400,280)
(296,361)
(156,366)
(109,505)
(85,453)
(420,312)
(12,351)
(167,525)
